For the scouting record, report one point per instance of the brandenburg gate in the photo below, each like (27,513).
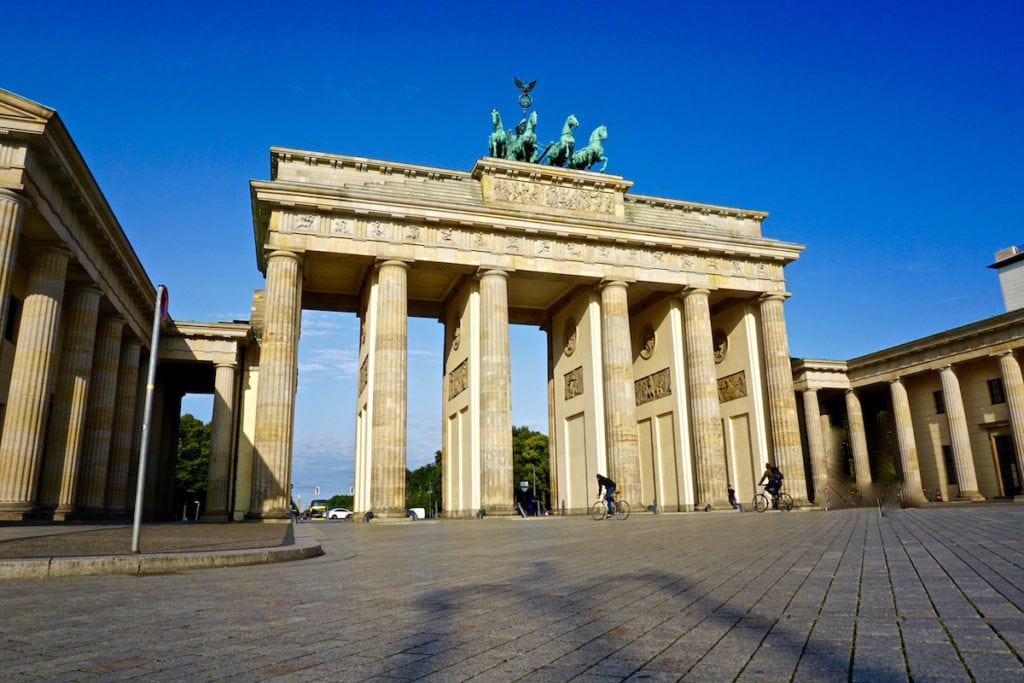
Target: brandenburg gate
(667,354)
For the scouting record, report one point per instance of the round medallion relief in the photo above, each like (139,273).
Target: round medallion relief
(457,337)
(647,342)
(569,335)
(720,340)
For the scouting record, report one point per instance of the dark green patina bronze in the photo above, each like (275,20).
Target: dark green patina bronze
(520,143)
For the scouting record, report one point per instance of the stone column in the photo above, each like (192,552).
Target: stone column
(623,441)
(126,400)
(390,395)
(815,445)
(705,411)
(67,418)
(275,400)
(12,206)
(21,447)
(959,436)
(495,395)
(781,399)
(221,430)
(92,476)
(1013,387)
(859,446)
(913,493)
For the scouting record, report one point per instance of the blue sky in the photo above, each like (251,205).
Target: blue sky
(887,137)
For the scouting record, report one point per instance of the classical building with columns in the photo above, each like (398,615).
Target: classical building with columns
(76,311)
(668,360)
(936,418)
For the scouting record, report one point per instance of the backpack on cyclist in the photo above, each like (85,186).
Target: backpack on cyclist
(777,474)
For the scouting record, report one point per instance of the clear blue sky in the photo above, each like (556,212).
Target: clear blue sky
(887,137)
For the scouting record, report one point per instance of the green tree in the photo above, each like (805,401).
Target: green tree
(423,486)
(530,463)
(340,501)
(193,454)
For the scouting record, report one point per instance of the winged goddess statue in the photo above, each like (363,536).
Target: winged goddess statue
(524,99)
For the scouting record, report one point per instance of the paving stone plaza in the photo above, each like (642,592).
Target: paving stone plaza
(922,594)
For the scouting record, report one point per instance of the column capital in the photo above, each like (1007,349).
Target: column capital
(19,198)
(381,262)
(226,364)
(774,296)
(610,282)
(695,289)
(285,253)
(1003,353)
(896,380)
(484,272)
(48,248)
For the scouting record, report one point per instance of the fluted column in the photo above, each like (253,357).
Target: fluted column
(913,493)
(390,394)
(496,493)
(960,438)
(67,418)
(859,445)
(623,442)
(12,206)
(1013,387)
(705,411)
(221,431)
(781,399)
(123,428)
(278,380)
(21,447)
(92,476)
(815,445)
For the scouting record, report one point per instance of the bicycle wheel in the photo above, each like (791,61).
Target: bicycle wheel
(599,511)
(761,502)
(785,502)
(621,509)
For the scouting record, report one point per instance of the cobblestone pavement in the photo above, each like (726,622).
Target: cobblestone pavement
(922,595)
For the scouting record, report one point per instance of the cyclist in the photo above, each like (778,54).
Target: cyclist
(773,475)
(609,488)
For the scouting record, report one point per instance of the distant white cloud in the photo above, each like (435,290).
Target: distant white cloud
(328,364)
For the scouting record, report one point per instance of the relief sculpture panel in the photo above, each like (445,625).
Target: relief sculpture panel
(653,386)
(732,387)
(458,380)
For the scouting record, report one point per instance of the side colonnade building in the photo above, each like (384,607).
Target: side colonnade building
(938,419)
(76,310)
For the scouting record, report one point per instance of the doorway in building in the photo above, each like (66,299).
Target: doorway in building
(1006,458)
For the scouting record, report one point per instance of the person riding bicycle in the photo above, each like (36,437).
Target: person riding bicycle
(773,475)
(609,488)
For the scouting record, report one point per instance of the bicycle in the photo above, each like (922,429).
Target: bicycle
(620,508)
(779,501)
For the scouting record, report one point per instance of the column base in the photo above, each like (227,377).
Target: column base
(972,496)
(272,516)
(18,512)
(214,518)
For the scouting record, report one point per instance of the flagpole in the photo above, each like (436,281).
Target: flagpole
(159,313)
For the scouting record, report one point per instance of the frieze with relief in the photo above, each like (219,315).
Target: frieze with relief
(574,383)
(363,375)
(458,379)
(306,223)
(653,386)
(342,227)
(732,387)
